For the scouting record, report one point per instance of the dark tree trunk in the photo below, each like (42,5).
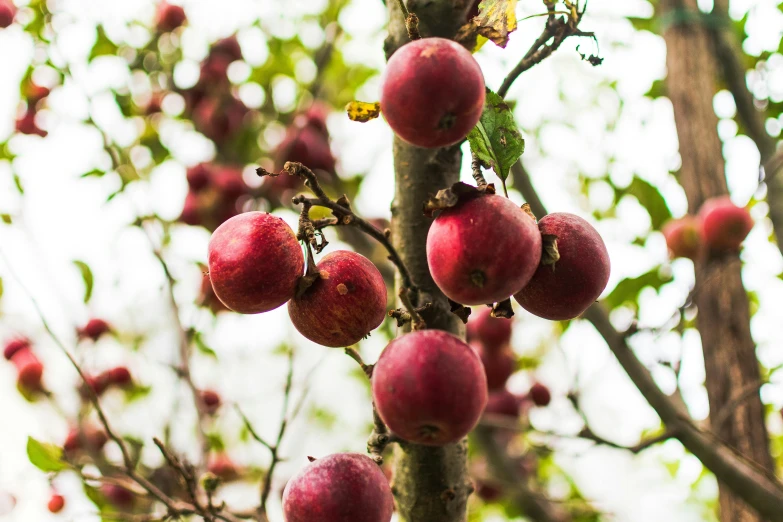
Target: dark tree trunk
(430,484)
(732,370)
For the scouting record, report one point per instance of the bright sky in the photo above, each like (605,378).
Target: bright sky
(63,218)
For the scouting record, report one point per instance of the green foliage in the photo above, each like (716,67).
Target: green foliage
(6,218)
(627,291)
(103,46)
(650,198)
(495,139)
(87,277)
(201,346)
(44,456)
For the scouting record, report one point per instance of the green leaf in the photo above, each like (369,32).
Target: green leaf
(93,173)
(651,199)
(87,277)
(1,287)
(18,183)
(103,46)
(44,456)
(96,497)
(628,290)
(496,139)
(202,347)
(137,393)
(6,218)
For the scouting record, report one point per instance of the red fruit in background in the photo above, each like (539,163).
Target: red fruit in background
(499,365)
(119,376)
(228,181)
(26,124)
(564,290)
(228,47)
(339,488)
(98,383)
(168,17)
(190,211)
(344,305)
(724,225)
(34,93)
(432,92)
(483,250)
(214,72)
(315,117)
(683,237)
(118,496)
(219,120)
(199,176)
(502,402)
(429,387)
(492,332)
(7,13)
(540,394)
(222,466)
(255,262)
(56,503)
(29,370)
(91,438)
(308,146)
(211,400)
(15,345)
(94,329)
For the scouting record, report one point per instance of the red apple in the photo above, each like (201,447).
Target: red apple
(499,365)
(222,466)
(56,503)
(339,488)
(94,329)
(565,289)
(29,370)
(494,333)
(540,394)
(683,237)
(7,13)
(503,402)
(255,262)
(118,496)
(211,400)
(26,124)
(432,92)
(344,305)
(429,387)
(168,17)
(724,225)
(15,345)
(483,250)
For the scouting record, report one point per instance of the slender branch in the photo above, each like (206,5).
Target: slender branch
(183,371)
(556,29)
(266,487)
(343,213)
(253,433)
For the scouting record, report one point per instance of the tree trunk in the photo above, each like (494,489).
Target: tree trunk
(732,371)
(430,484)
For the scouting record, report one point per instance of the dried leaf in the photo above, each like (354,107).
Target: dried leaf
(550,255)
(363,111)
(461,311)
(502,310)
(496,19)
(449,197)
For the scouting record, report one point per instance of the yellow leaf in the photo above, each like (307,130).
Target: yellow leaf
(496,19)
(480,41)
(363,111)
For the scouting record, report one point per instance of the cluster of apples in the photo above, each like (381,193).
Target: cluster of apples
(29,368)
(719,228)
(210,103)
(215,194)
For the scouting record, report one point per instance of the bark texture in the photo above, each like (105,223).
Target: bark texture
(732,370)
(430,484)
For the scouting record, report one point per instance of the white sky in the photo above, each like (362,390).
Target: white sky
(63,218)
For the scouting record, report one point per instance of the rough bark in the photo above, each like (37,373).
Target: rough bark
(430,484)
(748,480)
(723,315)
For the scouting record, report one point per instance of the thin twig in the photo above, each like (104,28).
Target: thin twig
(184,348)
